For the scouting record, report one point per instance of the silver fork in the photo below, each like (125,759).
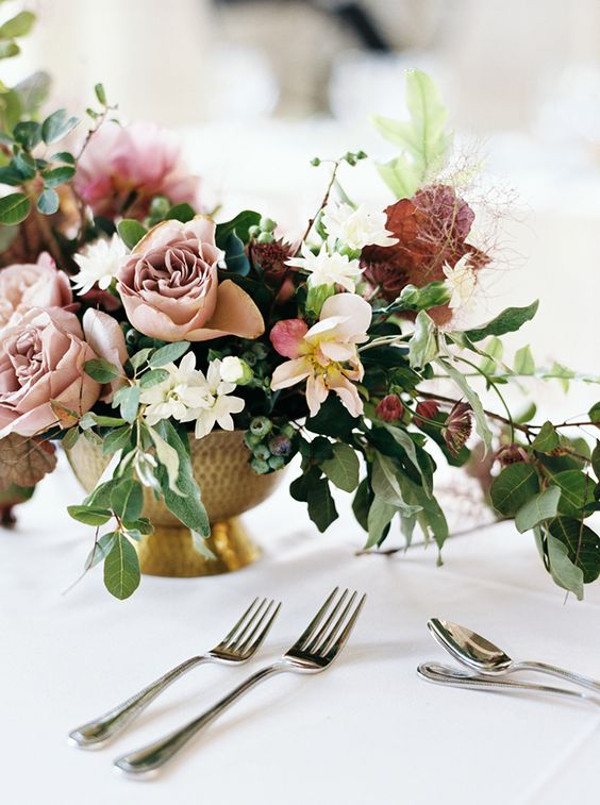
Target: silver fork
(242,642)
(314,651)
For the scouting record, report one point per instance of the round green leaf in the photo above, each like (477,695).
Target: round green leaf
(48,202)
(515,485)
(14,208)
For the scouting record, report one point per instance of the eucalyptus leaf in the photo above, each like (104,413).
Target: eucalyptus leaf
(48,202)
(102,371)
(577,490)
(168,354)
(57,125)
(547,439)
(513,488)
(127,499)
(563,571)
(122,569)
(509,321)
(90,515)
(538,509)
(583,545)
(168,457)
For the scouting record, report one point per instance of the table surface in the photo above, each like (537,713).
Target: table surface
(368,730)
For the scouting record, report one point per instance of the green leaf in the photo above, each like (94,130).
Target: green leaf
(381,514)
(423,346)
(321,506)
(168,354)
(577,490)
(524,363)
(481,425)
(342,470)
(131,232)
(90,420)
(596,460)
(429,515)
(235,255)
(513,488)
(127,499)
(101,370)
(57,125)
(90,515)
(385,484)
(431,295)
(100,550)
(100,93)
(122,569)
(116,440)
(583,545)
(563,571)
(64,156)
(28,133)
(547,439)
(20,25)
(48,202)
(168,457)
(140,358)
(509,321)
(70,438)
(538,509)
(494,350)
(423,139)
(362,503)
(153,378)
(594,413)
(332,419)
(240,225)
(200,545)
(8,50)
(129,400)
(33,91)
(14,208)
(403,439)
(54,177)
(181,212)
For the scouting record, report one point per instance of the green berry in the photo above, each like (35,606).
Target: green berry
(160,207)
(262,452)
(277,462)
(260,426)
(315,161)
(267,224)
(259,466)
(250,440)
(249,357)
(254,231)
(289,431)
(265,237)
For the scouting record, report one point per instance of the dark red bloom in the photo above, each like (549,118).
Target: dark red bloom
(426,410)
(272,258)
(458,427)
(390,409)
(512,454)
(432,229)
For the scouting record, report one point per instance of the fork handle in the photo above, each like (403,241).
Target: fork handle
(108,725)
(160,752)
(561,673)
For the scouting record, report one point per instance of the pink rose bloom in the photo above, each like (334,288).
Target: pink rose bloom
(42,363)
(30,285)
(140,158)
(170,289)
(324,355)
(106,339)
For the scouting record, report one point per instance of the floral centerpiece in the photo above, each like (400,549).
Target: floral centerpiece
(133,319)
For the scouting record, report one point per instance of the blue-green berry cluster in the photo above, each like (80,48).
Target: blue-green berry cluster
(272,447)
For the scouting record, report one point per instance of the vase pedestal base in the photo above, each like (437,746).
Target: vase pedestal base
(170,551)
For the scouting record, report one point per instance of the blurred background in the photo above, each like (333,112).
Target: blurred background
(259,87)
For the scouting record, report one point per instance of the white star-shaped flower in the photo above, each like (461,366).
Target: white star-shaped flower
(328,269)
(461,282)
(357,228)
(98,264)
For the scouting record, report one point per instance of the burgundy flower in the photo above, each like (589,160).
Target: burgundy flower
(512,454)
(458,427)
(272,258)
(390,409)
(426,410)
(431,228)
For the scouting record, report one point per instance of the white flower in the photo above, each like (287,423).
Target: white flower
(461,282)
(232,369)
(99,263)
(327,269)
(358,227)
(181,393)
(218,406)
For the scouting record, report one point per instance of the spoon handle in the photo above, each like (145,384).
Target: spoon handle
(445,675)
(561,673)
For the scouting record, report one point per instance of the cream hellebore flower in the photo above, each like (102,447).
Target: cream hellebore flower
(357,228)
(461,282)
(98,264)
(178,396)
(327,269)
(324,355)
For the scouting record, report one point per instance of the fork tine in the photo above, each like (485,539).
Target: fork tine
(343,638)
(238,624)
(248,624)
(328,639)
(323,630)
(254,640)
(313,625)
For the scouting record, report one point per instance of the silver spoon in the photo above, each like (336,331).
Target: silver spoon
(477,653)
(444,675)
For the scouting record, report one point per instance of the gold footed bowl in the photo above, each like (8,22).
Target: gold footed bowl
(229,487)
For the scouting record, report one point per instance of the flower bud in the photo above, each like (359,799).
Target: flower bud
(235,370)
(512,454)
(267,224)
(390,409)
(426,410)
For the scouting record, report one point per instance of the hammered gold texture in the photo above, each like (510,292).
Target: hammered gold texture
(229,487)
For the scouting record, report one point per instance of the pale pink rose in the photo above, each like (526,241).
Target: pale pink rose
(106,338)
(42,363)
(325,355)
(23,286)
(170,289)
(141,158)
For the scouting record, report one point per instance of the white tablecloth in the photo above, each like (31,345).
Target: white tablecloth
(366,731)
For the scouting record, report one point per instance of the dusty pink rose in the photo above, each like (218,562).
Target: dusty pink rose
(30,285)
(170,289)
(140,158)
(106,339)
(42,363)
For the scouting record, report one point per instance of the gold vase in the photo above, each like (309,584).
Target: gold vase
(229,487)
